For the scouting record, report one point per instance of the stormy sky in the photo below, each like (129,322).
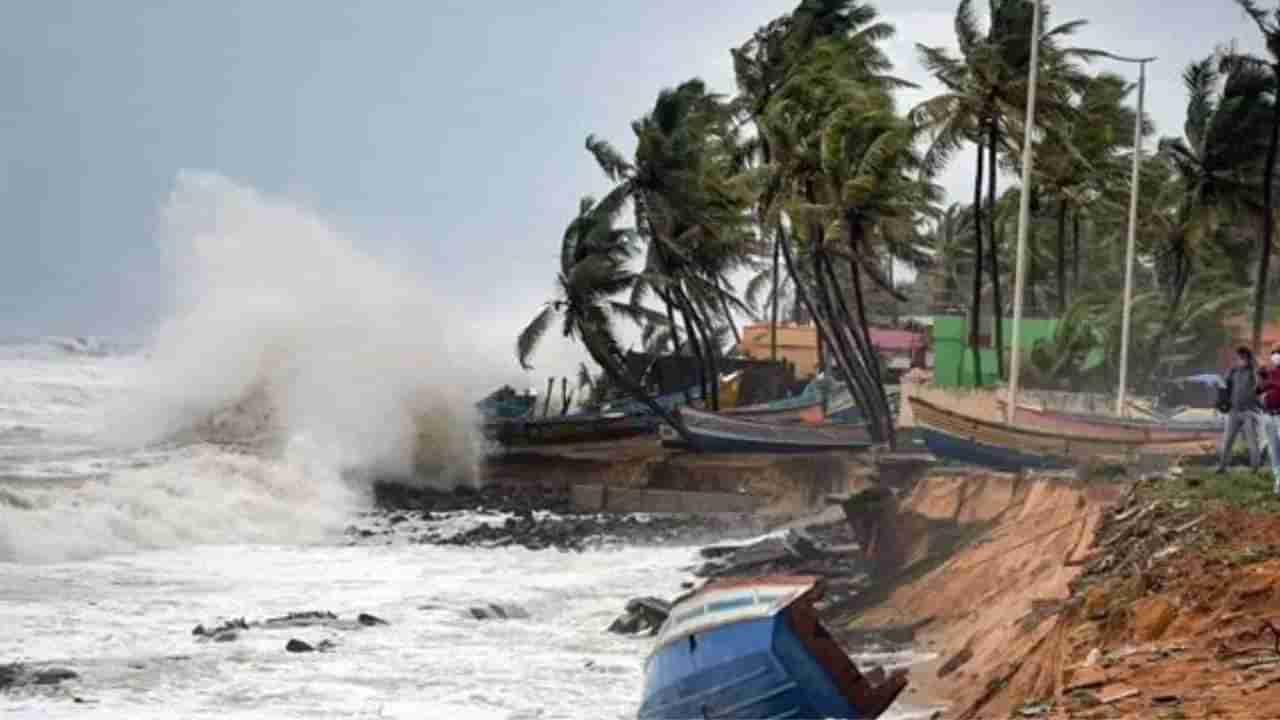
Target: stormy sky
(445,136)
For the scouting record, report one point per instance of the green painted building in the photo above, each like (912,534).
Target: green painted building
(953,360)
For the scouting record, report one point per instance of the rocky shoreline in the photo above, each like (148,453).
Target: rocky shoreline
(531,518)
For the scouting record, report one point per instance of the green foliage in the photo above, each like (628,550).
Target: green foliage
(812,184)
(1203,488)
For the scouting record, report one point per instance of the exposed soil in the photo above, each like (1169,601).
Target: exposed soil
(1063,599)
(1178,612)
(973,567)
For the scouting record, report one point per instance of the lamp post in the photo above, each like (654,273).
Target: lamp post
(1133,228)
(1024,212)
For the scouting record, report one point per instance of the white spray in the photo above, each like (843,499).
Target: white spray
(358,365)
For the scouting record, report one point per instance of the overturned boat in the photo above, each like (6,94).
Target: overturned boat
(754,648)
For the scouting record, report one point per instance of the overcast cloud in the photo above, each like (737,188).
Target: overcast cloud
(446,136)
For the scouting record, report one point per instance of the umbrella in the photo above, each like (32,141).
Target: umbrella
(1208,379)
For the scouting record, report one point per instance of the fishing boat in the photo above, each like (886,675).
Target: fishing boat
(1138,430)
(842,408)
(506,404)
(804,408)
(953,436)
(754,648)
(711,432)
(670,401)
(580,428)
(781,412)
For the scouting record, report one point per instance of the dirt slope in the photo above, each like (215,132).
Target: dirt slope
(984,561)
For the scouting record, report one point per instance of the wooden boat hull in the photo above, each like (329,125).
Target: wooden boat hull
(568,430)
(755,649)
(970,452)
(1115,428)
(709,432)
(807,414)
(960,438)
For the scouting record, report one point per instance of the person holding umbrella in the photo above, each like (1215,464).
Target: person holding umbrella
(1241,401)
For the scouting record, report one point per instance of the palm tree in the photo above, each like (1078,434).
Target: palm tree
(841,158)
(1216,164)
(1268,23)
(1078,158)
(593,271)
(984,92)
(689,208)
(951,244)
(772,58)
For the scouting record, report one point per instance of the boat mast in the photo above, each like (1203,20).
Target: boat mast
(1024,211)
(1133,225)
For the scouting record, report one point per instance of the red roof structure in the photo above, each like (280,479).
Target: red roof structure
(903,341)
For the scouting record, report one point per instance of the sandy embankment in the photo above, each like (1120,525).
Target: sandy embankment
(981,564)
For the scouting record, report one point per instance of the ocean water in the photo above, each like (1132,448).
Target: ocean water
(111,555)
(121,528)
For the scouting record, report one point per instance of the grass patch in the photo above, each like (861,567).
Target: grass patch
(1243,489)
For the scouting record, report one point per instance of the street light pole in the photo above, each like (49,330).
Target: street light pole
(1133,229)
(1024,212)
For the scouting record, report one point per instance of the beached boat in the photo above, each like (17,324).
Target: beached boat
(711,432)
(781,412)
(569,429)
(1135,429)
(509,405)
(670,401)
(960,438)
(754,648)
(843,409)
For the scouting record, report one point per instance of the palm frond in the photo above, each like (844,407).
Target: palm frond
(532,334)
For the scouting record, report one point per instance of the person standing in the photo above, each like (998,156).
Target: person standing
(1242,389)
(1269,414)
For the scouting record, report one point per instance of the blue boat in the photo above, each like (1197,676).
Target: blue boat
(971,452)
(506,404)
(754,648)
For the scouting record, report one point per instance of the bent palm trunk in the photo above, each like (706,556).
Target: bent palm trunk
(975,310)
(997,307)
(1268,227)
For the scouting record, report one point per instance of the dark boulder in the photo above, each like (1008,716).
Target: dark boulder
(218,631)
(301,619)
(494,611)
(10,675)
(297,646)
(644,614)
(368,620)
(53,676)
(17,675)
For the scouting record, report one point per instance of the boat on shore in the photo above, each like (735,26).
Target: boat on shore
(712,432)
(782,412)
(1135,429)
(961,438)
(755,648)
(569,429)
